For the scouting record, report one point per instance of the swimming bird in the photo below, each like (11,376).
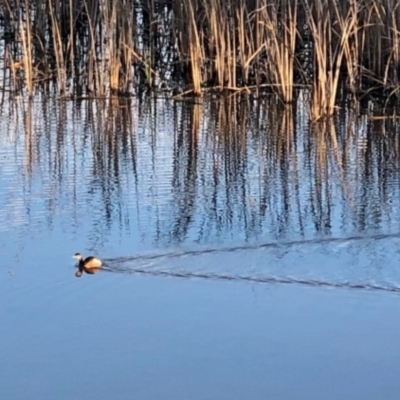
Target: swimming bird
(89,264)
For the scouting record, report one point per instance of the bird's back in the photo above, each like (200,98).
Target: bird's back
(92,262)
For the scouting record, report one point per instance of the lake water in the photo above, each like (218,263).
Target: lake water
(246,253)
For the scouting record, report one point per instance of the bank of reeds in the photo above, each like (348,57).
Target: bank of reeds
(95,48)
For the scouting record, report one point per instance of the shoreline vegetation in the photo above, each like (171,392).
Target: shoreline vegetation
(91,48)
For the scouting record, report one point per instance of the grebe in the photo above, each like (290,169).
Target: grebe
(88,264)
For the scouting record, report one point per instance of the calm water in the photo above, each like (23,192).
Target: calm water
(247,254)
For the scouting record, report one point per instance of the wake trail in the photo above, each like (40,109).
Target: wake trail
(161,266)
(266,279)
(288,244)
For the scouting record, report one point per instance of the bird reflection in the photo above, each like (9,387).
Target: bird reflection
(90,271)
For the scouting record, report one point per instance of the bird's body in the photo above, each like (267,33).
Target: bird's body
(89,264)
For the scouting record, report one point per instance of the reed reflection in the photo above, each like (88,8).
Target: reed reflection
(173,172)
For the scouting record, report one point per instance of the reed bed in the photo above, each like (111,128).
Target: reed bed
(189,47)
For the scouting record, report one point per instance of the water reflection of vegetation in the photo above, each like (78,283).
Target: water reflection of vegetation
(230,168)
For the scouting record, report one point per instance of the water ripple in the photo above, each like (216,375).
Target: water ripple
(284,263)
(269,280)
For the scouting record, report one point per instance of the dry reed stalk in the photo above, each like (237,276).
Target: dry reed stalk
(58,49)
(244,44)
(374,51)
(381,55)
(217,26)
(352,47)
(71,41)
(40,37)
(224,40)
(378,41)
(112,53)
(329,48)
(279,19)
(126,46)
(26,37)
(251,42)
(95,78)
(246,47)
(196,54)
(123,51)
(390,77)
(319,20)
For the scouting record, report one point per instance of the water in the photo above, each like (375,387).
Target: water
(246,254)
